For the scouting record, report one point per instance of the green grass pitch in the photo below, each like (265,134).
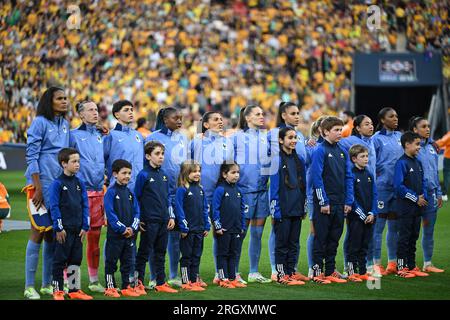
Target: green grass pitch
(436,286)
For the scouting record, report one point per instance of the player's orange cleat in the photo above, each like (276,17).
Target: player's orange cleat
(334,277)
(191,287)
(200,282)
(129,292)
(165,288)
(226,284)
(404,273)
(140,289)
(432,269)
(378,268)
(237,284)
(367,277)
(321,279)
(274,277)
(79,295)
(112,293)
(391,268)
(354,278)
(58,295)
(416,271)
(300,277)
(216,280)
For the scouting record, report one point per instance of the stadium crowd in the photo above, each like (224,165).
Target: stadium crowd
(198,55)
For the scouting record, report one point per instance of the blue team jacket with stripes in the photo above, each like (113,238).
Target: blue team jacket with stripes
(152,192)
(69,205)
(124,143)
(228,208)
(211,151)
(89,143)
(332,178)
(122,210)
(191,209)
(388,150)
(365,193)
(409,182)
(288,200)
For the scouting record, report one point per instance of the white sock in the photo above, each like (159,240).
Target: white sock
(427,263)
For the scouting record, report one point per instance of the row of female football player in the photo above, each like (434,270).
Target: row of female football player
(251,147)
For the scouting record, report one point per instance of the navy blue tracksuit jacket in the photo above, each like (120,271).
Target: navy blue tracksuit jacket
(228,211)
(69,209)
(359,233)
(287,206)
(332,181)
(409,183)
(152,192)
(122,211)
(191,210)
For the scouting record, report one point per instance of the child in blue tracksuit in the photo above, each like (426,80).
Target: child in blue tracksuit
(122,212)
(388,150)
(176,145)
(252,154)
(428,156)
(211,149)
(288,116)
(411,192)
(69,209)
(229,223)
(287,206)
(361,134)
(157,218)
(191,210)
(360,220)
(333,196)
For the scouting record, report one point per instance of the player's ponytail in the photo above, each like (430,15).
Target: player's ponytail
(284,105)
(162,114)
(206,118)
(413,121)
(245,111)
(356,123)
(382,115)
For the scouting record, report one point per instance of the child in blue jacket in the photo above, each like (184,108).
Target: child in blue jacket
(122,212)
(157,217)
(287,206)
(333,196)
(229,222)
(69,209)
(411,191)
(360,220)
(191,210)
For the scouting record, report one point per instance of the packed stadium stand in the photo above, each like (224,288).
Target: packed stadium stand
(200,55)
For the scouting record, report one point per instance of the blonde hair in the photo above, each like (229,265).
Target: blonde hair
(315,132)
(187,167)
